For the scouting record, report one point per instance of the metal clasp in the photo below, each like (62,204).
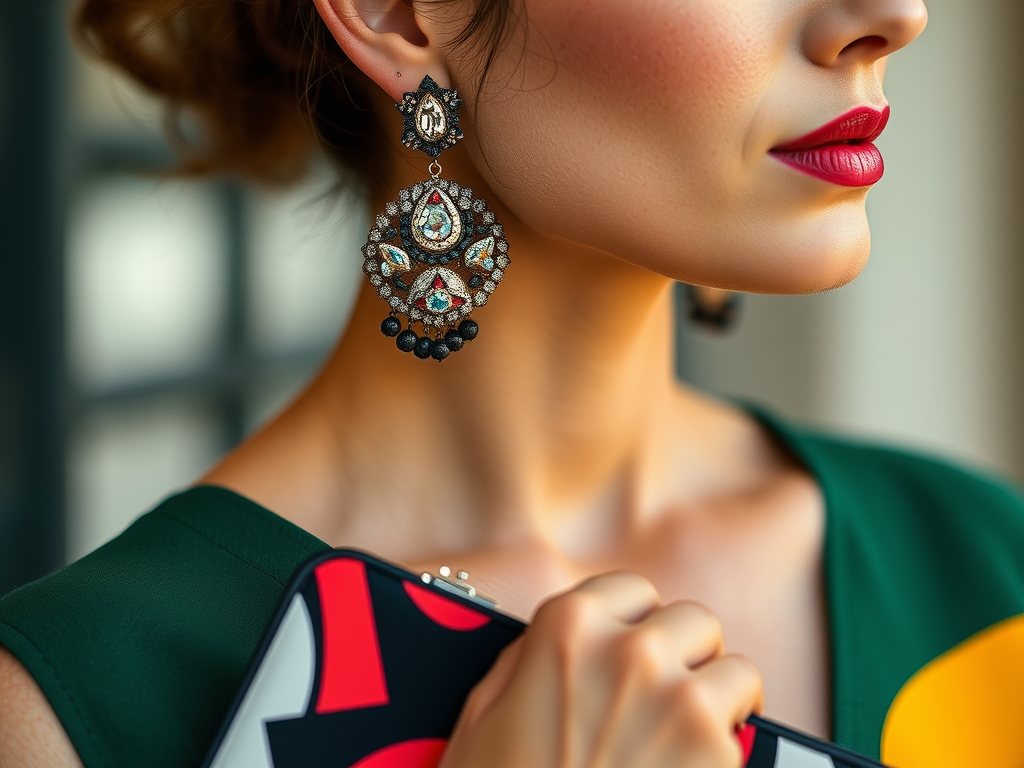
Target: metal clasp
(458,586)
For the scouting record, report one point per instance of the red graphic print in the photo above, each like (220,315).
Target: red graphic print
(416,753)
(443,611)
(352,676)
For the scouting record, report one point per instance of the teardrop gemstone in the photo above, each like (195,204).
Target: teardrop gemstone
(431,122)
(480,255)
(436,224)
(395,260)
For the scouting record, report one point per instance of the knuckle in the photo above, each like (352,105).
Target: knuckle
(637,653)
(746,667)
(701,613)
(567,616)
(618,581)
(694,701)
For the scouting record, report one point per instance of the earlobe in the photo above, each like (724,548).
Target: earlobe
(385,40)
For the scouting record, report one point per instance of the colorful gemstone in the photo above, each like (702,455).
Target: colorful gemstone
(436,224)
(431,122)
(438,291)
(395,260)
(480,255)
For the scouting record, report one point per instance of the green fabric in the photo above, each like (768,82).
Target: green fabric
(141,645)
(920,555)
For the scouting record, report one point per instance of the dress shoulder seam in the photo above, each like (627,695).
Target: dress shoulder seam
(221,547)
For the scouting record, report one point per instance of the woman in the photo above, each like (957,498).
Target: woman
(623,146)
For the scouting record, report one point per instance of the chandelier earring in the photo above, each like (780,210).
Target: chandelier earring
(437,252)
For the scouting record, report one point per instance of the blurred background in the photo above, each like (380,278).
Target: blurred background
(147,325)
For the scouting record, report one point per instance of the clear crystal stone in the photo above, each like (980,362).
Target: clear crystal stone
(384,291)
(480,299)
(498,230)
(431,119)
(395,302)
(406,206)
(382,221)
(496,275)
(479,206)
(391,208)
(489,286)
(503,246)
(436,224)
(466,308)
(503,262)
(488,217)
(370,265)
(376,280)
(375,235)
(451,317)
(417,190)
(465,204)
(403,195)
(453,189)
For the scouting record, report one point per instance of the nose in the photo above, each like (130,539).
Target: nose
(861,31)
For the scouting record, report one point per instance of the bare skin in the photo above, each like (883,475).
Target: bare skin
(559,446)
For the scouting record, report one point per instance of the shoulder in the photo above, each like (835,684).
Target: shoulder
(898,488)
(937,541)
(165,616)
(919,539)
(904,490)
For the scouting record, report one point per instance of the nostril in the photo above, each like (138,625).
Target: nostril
(869,43)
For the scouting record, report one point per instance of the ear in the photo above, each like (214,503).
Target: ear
(385,40)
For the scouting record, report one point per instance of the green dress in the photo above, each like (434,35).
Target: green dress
(140,646)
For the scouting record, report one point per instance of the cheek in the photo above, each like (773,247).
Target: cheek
(609,92)
(638,128)
(691,61)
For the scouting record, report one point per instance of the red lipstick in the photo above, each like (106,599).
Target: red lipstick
(842,151)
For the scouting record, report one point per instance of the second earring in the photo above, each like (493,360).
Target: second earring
(437,252)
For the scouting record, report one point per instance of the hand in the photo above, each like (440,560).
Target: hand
(608,677)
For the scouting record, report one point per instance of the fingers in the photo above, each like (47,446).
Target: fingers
(689,633)
(487,691)
(730,687)
(627,597)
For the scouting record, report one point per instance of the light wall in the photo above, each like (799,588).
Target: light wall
(924,348)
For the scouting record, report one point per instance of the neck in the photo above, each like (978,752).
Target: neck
(553,419)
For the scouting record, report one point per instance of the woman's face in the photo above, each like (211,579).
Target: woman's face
(645,128)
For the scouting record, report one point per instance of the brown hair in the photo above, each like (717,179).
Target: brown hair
(261,79)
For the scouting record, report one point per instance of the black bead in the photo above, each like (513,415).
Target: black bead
(390,327)
(423,347)
(468,330)
(406,340)
(439,350)
(454,340)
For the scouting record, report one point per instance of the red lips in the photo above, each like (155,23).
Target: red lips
(840,152)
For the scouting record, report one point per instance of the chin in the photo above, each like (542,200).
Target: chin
(812,254)
(828,253)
